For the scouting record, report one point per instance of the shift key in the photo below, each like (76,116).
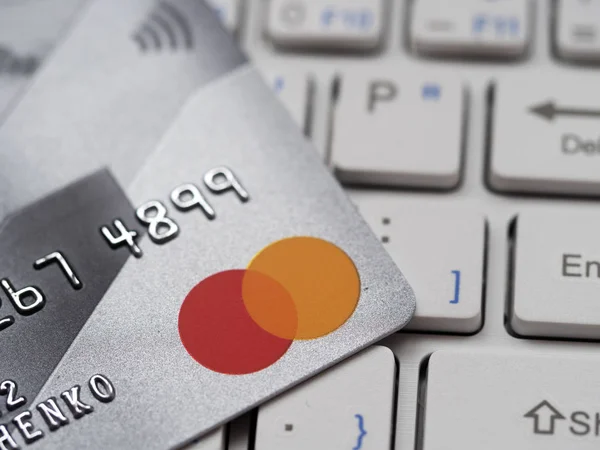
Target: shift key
(501,400)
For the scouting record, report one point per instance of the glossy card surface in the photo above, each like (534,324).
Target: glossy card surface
(179,253)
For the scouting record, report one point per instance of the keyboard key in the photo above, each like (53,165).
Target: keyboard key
(326,24)
(350,406)
(229,13)
(497,400)
(555,275)
(212,441)
(442,254)
(471,27)
(294,91)
(397,129)
(544,134)
(578,30)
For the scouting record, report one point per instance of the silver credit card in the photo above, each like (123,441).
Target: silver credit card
(157,291)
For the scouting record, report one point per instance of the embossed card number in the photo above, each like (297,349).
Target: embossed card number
(153,214)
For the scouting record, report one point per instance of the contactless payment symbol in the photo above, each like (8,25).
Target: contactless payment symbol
(242,321)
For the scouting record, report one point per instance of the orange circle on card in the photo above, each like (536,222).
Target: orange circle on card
(322,282)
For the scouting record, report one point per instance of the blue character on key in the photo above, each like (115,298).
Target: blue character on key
(367,19)
(354,19)
(506,26)
(479,23)
(431,91)
(514,26)
(362,432)
(456,298)
(500,25)
(359,20)
(503,26)
(327,17)
(279,84)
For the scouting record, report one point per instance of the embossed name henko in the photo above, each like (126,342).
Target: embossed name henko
(100,387)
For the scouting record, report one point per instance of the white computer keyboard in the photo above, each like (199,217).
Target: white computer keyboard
(468,134)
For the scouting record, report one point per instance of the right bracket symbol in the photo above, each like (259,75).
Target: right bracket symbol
(456,298)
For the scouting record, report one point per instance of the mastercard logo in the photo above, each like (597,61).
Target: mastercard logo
(243,320)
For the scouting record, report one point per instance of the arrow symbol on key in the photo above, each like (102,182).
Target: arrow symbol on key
(549,111)
(544,417)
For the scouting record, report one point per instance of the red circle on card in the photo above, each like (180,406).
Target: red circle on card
(219,333)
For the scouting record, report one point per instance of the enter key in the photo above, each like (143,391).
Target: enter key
(555,274)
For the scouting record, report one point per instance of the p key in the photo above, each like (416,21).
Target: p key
(397,129)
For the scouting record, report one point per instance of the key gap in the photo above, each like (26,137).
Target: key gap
(395,402)
(252,432)
(310,106)
(510,274)
(421,396)
(489,129)
(405,21)
(334,94)
(464,136)
(553,30)
(486,237)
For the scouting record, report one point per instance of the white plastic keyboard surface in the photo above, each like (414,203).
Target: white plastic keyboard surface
(472,127)
(409,132)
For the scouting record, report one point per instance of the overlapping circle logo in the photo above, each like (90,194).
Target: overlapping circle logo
(242,321)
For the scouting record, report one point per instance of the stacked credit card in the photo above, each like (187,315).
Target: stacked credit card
(174,253)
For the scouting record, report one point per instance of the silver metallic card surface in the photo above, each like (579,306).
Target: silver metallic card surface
(240,270)
(104,100)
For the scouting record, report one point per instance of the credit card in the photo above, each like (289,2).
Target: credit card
(107,94)
(29,30)
(91,116)
(154,292)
